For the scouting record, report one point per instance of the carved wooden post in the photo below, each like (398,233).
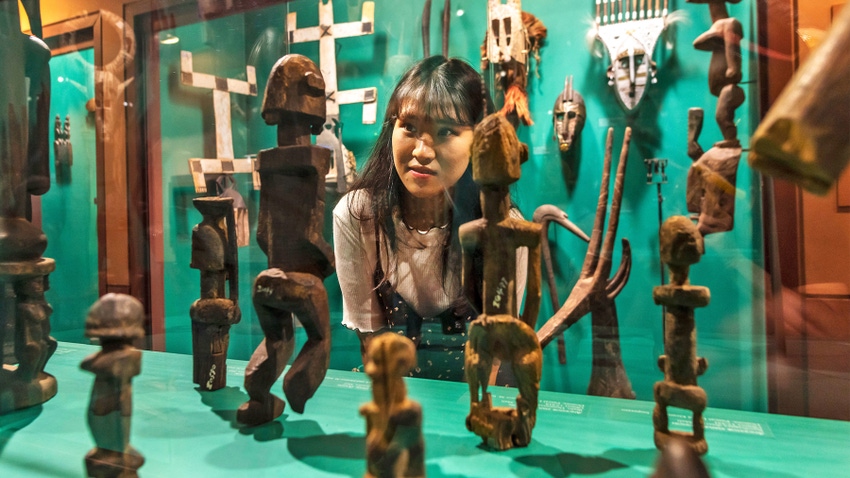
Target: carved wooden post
(24,171)
(681,246)
(292,206)
(214,252)
(116,320)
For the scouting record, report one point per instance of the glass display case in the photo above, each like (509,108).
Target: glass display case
(157,103)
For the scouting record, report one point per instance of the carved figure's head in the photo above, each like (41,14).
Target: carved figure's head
(390,355)
(496,152)
(681,242)
(568,116)
(296,89)
(116,316)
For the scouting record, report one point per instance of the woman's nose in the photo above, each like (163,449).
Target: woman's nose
(424,150)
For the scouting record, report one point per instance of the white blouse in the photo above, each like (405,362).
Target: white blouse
(414,269)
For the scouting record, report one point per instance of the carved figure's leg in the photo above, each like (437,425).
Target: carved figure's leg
(730,99)
(211,356)
(271,356)
(478,360)
(307,297)
(659,416)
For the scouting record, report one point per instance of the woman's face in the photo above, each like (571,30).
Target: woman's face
(430,154)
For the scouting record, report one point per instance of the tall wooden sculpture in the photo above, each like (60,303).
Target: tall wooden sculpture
(712,177)
(499,332)
(214,252)
(291,217)
(116,320)
(24,171)
(594,292)
(681,246)
(394,443)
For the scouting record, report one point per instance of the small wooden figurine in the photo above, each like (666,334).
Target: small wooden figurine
(594,293)
(24,171)
(214,252)
(498,333)
(394,443)
(115,320)
(289,231)
(681,246)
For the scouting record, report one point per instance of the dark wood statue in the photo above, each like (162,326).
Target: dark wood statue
(24,171)
(712,177)
(681,246)
(290,225)
(214,252)
(116,320)
(499,333)
(394,443)
(594,293)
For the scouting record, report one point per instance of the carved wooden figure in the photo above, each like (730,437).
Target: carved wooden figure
(394,443)
(568,116)
(594,292)
(712,177)
(681,246)
(63,155)
(499,333)
(116,320)
(24,171)
(290,225)
(214,252)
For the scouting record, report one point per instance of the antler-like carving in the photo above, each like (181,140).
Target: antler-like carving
(594,292)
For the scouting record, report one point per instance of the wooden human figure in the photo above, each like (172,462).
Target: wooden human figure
(499,332)
(289,231)
(394,443)
(24,171)
(712,177)
(214,252)
(116,320)
(681,246)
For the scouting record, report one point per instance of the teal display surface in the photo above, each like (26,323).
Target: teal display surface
(730,330)
(184,432)
(68,209)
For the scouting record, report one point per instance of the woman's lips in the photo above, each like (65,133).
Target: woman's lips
(422,173)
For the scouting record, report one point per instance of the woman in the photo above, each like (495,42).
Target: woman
(396,231)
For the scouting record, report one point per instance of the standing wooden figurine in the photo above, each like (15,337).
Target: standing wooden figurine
(681,246)
(24,171)
(214,252)
(292,205)
(499,333)
(116,320)
(394,443)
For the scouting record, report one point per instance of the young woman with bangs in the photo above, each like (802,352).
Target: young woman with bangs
(396,242)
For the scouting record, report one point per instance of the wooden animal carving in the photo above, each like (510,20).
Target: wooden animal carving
(594,292)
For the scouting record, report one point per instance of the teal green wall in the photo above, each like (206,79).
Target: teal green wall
(730,329)
(69,214)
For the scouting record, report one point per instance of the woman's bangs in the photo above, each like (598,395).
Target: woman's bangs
(435,101)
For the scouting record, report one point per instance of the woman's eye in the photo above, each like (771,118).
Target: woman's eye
(447,132)
(408,127)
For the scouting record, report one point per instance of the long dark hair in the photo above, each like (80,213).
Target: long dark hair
(438,88)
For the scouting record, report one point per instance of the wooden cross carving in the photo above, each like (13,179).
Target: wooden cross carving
(224,163)
(326,34)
